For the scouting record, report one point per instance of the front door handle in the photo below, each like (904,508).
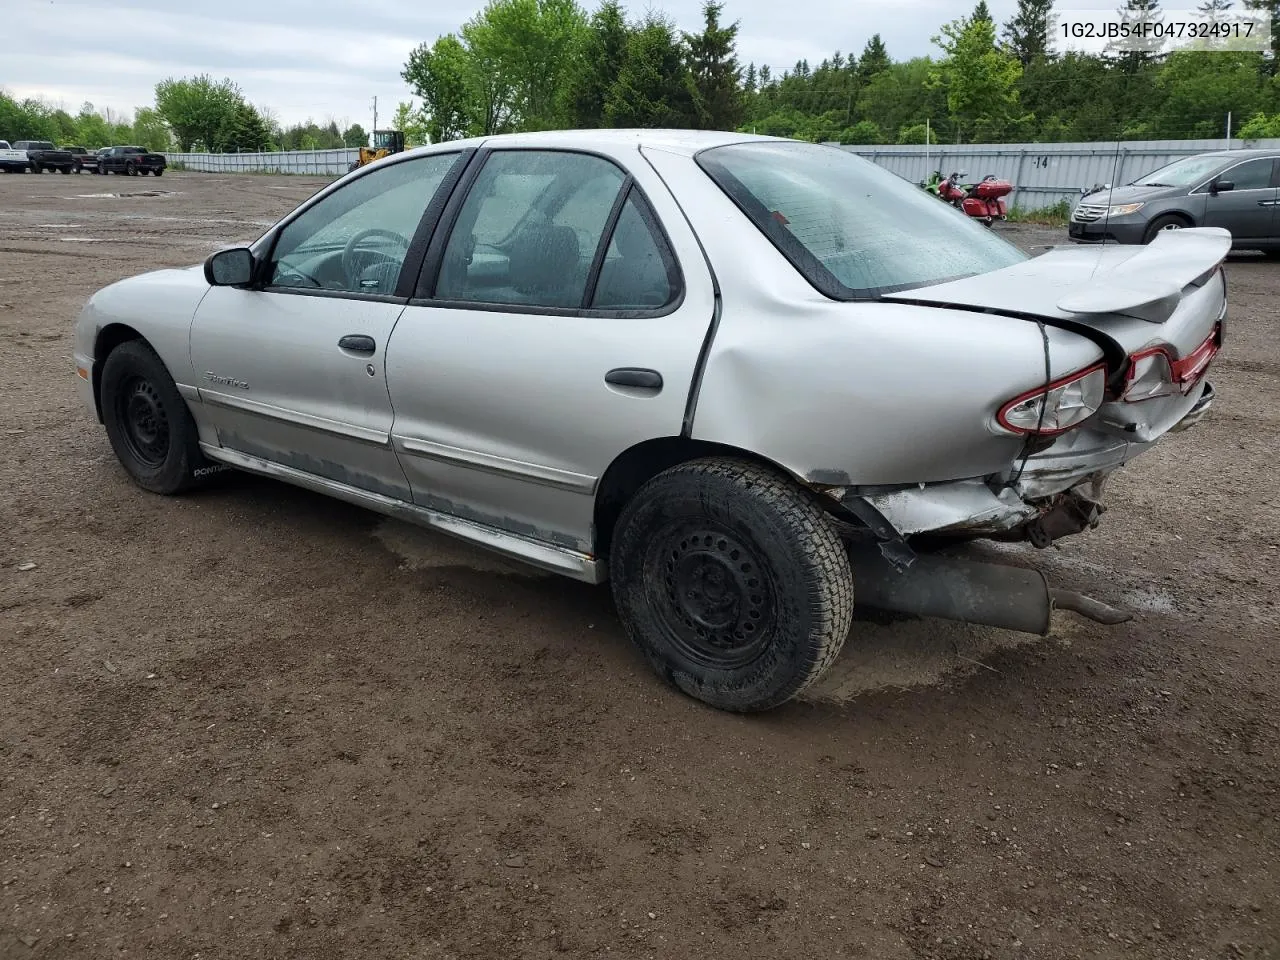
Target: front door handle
(634,377)
(358,343)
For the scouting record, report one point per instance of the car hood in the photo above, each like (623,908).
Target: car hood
(1130,194)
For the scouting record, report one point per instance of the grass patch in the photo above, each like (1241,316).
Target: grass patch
(1054,216)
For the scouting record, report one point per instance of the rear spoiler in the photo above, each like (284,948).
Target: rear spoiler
(1149,284)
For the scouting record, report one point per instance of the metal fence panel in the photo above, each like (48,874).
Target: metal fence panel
(316,162)
(1043,174)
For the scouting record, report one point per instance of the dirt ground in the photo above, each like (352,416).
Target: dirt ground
(256,723)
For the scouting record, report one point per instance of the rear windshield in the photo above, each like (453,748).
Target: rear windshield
(853,229)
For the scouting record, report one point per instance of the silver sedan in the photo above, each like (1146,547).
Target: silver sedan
(738,377)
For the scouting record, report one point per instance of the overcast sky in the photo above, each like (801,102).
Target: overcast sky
(330,58)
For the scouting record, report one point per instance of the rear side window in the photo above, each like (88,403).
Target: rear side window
(638,271)
(853,229)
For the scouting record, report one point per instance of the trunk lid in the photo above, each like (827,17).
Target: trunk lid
(1167,297)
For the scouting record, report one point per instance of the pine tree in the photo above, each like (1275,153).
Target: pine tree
(713,65)
(604,50)
(1026,35)
(875,59)
(1137,51)
(980,12)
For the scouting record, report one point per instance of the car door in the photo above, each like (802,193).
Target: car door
(1248,209)
(291,371)
(557,323)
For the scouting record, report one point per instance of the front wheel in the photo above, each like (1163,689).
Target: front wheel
(732,583)
(1159,224)
(130,170)
(148,423)
(158,173)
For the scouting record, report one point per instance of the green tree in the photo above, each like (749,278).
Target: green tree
(413,123)
(211,114)
(654,88)
(981,11)
(1145,43)
(149,130)
(355,136)
(713,65)
(1026,34)
(981,80)
(597,64)
(1200,88)
(442,75)
(874,59)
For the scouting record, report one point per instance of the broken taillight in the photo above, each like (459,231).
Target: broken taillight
(1061,405)
(1157,373)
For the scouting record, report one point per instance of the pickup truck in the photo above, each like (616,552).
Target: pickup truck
(11,160)
(85,159)
(43,155)
(131,161)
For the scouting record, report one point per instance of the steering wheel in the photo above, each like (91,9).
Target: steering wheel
(352,266)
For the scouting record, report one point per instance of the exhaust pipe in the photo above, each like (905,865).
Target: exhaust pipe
(988,594)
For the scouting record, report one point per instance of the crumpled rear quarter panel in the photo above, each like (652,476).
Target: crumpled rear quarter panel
(852,393)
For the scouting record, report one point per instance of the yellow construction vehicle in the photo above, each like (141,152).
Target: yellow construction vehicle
(385,143)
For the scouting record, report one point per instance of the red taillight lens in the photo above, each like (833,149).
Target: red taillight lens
(1155,373)
(1063,404)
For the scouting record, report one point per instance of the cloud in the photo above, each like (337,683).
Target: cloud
(329,58)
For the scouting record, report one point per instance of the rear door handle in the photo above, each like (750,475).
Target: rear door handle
(634,377)
(358,343)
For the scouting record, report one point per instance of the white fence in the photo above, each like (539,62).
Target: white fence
(1044,174)
(323,162)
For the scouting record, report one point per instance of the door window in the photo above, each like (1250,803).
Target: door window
(1250,175)
(638,270)
(356,239)
(529,229)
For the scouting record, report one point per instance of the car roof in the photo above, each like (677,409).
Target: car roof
(686,142)
(1243,154)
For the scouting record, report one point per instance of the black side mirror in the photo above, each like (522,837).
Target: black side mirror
(1221,186)
(229,268)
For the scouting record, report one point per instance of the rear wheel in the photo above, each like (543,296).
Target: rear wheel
(148,423)
(158,172)
(731,582)
(1167,222)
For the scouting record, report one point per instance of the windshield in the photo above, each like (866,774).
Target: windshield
(1186,172)
(853,229)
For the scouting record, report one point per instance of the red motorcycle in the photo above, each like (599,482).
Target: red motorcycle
(983,200)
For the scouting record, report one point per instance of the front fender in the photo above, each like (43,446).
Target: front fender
(159,306)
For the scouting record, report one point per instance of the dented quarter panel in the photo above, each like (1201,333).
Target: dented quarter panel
(853,393)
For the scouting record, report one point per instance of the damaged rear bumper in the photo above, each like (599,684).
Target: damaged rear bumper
(1056,493)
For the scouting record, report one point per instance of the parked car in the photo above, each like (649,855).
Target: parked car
(743,379)
(1238,190)
(11,160)
(131,161)
(84,159)
(43,155)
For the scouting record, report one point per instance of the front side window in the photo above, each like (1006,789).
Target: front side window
(356,239)
(852,228)
(529,229)
(1250,175)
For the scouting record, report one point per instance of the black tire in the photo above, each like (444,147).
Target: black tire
(158,173)
(731,582)
(148,423)
(130,170)
(36,168)
(1170,221)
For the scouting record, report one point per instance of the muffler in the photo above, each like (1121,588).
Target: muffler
(988,594)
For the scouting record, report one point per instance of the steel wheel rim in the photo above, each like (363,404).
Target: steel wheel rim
(144,422)
(713,595)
